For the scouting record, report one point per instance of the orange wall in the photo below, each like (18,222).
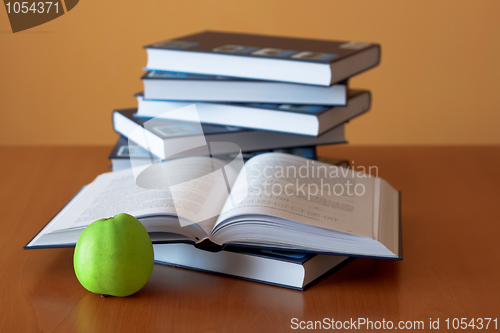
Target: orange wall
(437,84)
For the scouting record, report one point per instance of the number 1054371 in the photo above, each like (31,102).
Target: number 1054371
(32,7)
(471,323)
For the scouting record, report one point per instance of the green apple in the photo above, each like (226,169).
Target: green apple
(114,256)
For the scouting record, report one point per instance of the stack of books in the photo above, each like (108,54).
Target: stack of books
(260,94)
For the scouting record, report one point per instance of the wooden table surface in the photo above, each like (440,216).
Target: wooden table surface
(451,266)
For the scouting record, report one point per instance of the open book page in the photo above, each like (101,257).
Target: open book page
(305,191)
(188,187)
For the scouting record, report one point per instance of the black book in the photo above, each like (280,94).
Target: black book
(306,61)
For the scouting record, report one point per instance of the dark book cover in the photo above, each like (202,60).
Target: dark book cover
(272,47)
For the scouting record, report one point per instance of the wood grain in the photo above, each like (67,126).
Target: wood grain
(450,267)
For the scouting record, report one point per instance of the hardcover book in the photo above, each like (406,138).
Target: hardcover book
(174,86)
(310,120)
(275,202)
(123,151)
(163,137)
(298,60)
(279,268)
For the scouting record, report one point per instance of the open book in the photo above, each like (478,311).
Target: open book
(275,201)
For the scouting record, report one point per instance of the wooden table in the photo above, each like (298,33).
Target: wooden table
(451,266)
